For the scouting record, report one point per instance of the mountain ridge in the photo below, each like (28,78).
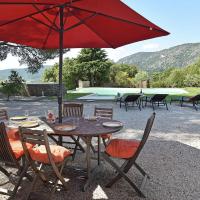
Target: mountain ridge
(176,56)
(4,73)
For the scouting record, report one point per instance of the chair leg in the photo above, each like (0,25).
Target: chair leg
(4,171)
(139,105)
(99,149)
(77,144)
(57,180)
(194,105)
(122,174)
(75,149)
(104,142)
(126,106)
(38,174)
(19,181)
(166,105)
(22,173)
(59,173)
(53,138)
(152,105)
(32,186)
(141,170)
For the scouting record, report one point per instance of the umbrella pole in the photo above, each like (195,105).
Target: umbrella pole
(60,92)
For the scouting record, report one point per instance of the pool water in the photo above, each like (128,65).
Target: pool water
(113,91)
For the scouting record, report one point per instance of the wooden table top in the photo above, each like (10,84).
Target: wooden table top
(85,128)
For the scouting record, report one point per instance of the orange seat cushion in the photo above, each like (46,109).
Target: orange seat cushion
(16,146)
(58,153)
(13,133)
(106,136)
(121,148)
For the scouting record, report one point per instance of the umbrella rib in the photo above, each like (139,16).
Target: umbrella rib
(35,13)
(37,3)
(20,18)
(97,33)
(80,23)
(119,19)
(45,17)
(25,3)
(50,30)
(37,20)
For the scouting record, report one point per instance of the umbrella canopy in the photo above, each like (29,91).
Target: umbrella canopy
(50,24)
(86,24)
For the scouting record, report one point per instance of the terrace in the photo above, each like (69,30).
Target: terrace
(171,156)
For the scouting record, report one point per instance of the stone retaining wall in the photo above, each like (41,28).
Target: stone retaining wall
(44,89)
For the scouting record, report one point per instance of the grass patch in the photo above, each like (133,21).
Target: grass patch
(192,91)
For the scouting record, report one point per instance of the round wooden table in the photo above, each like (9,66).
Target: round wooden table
(86,129)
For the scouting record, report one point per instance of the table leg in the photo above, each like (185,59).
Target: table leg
(60,140)
(99,150)
(88,160)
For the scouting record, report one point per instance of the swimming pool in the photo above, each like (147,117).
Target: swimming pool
(113,91)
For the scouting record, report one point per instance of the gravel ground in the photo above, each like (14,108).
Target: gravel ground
(171,156)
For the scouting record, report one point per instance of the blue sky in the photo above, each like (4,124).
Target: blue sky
(179,17)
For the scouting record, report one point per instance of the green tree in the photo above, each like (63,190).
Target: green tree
(176,78)
(141,76)
(93,65)
(51,74)
(192,80)
(123,80)
(115,72)
(14,85)
(33,58)
(159,79)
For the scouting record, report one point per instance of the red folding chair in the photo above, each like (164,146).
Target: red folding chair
(12,155)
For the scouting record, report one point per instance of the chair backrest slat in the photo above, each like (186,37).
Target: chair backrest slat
(31,136)
(72,109)
(6,154)
(106,113)
(3,114)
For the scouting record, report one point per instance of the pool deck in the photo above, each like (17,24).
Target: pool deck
(94,97)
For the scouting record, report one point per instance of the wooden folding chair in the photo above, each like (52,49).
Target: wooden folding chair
(12,133)
(106,113)
(128,150)
(3,114)
(12,155)
(71,109)
(44,154)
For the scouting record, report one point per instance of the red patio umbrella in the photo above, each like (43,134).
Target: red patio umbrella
(50,24)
